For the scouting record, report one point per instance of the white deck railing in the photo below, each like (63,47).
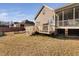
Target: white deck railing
(69,22)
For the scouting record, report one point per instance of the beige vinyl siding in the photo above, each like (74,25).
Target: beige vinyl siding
(46,16)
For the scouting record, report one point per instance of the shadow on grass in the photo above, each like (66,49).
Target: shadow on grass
(60,37)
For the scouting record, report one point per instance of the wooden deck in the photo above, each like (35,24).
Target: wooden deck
(67,27)
(68,24)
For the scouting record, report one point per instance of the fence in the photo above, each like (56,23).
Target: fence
(11,29)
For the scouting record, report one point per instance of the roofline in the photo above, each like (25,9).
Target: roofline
(56,10)
(38,12)
(48,7)
(64,7)
(41,10)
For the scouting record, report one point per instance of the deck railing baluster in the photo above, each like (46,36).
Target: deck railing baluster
(68,22)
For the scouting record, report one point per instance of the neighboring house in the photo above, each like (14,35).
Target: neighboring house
(16,24)
(6,27)
(45,20)
(4,23)
(28,23)
(64,20)
(29,27)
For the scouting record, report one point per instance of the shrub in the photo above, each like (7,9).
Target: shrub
(1,33)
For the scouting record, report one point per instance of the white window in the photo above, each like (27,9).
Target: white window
(37,23)
(51,22)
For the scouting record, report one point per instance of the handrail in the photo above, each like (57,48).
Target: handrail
(69,22)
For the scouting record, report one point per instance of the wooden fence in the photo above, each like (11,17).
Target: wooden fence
(11,29)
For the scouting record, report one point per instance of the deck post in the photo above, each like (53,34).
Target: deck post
(58,20)
(48,28)
(73,16)
(66,32)
(55,33)
(62,18)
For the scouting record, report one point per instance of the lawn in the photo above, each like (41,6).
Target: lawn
(20,44)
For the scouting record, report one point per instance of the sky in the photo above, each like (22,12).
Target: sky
(22,11)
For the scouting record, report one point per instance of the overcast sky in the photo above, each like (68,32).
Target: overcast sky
(22,11)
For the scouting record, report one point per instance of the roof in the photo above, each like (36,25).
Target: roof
(41,10)
(67,6)
(28,23)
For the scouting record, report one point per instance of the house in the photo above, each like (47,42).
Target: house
(64,20)
(29,27)
(27,23)
(7,27)
(45,20)
(16,24)
(68,19)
